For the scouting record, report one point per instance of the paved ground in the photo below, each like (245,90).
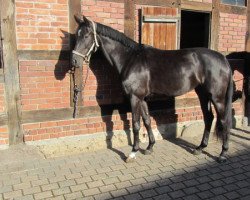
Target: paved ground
(172,172)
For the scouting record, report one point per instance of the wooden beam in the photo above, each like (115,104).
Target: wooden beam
(75,10)
(11,76)
(167,3)
(197,6)
(248,27)
(104,110)
(129,18)
(43,55)
(1,78)
(215,25)
(239,10)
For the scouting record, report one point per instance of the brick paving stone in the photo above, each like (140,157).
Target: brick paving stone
(138,181)
(244,191)
(21,186)
(125,177)
(78,187)
(43,195)
(91,192)
(12,194)
(120,192)
(61,191)
(107,188)
(205,194)
(150,185)
(50,186)
(31,190)
(56,179)
(123,184)
(163,197)
(218,190)
(191,197)
(4,189)
(177,186)
(148,193)
(25,197)
(94,184)
(39,182)
(134,189)
(111,180)
(176,194)
(133,197)
(98,177)
(84,179)
(103,196)
(232,195)
(163,189)
(190,190)
(67,183)
(73,195)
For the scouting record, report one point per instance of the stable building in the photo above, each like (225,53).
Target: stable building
(37,85)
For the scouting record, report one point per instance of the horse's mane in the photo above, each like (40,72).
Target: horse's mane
(117,36)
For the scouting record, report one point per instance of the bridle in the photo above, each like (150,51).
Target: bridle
(93,47)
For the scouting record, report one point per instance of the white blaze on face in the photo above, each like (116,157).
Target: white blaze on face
(79,33)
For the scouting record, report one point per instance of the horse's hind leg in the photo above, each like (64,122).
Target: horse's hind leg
(147,124)
(136,113)
(208,118)
(222,130)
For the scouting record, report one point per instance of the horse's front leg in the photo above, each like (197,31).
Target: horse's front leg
(136,113)
(147,123)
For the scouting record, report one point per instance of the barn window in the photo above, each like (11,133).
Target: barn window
(195,29)
(235,2)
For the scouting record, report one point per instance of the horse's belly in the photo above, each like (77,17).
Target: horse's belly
(174,87)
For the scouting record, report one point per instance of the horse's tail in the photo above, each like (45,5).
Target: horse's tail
(228,104)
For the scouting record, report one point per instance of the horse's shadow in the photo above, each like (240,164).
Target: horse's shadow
(111,100)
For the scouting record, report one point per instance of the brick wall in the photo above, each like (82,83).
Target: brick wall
(232,33)
(40,24)
(40,89)
(108,13)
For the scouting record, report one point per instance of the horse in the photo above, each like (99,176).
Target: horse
(145,70)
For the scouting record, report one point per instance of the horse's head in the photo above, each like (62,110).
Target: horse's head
(86,41)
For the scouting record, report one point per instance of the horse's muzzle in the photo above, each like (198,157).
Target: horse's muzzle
(76,61)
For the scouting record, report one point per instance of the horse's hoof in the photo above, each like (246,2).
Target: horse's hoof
(197,151)
(148,152)
(222,159)
(130,159)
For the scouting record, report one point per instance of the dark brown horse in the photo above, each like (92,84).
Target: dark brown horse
(145,70)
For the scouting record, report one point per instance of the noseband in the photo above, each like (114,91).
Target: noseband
(92,49)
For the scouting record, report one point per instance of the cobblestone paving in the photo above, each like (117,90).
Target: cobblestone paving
(171,172)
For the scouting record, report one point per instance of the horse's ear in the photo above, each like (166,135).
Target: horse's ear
(85,20)
(78,20)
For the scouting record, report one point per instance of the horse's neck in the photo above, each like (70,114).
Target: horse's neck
(116,53)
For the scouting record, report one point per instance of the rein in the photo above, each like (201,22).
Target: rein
(86,58)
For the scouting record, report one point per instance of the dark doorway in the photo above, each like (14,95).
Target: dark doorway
(195,29)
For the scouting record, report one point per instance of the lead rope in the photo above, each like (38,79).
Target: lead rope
(77,90)
(86,58)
